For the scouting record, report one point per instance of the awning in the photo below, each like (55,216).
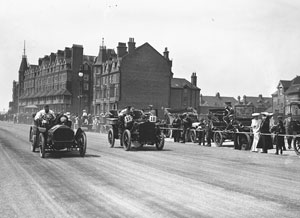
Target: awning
(31,106)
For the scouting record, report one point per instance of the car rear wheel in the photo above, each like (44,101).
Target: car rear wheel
(126,140)
(82,141)
(42,145)
(218,139)
(193,136)
(297,145)
(111,138)
(244,142)
(160,141)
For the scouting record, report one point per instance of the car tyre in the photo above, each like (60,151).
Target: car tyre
(193,136)
(82,141)
(160,141)
(297,145)
(42,145)
(111,138)
(218,139)
(126,138)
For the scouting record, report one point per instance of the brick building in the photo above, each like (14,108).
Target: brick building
(214,102)
(184,94)
(286,99)
(260,102)
(55,81)
(137,76)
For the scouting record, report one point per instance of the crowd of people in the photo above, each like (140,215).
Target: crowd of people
(268,132)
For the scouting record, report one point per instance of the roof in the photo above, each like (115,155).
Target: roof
(285,83)
(260,101)
(63,92)
(216,101)
(181,83)
(293,89)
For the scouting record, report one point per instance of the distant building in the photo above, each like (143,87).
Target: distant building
(287,97)
(138,77)
(55,81)
(279,97)
(260,103)
(214,102)
(184,94)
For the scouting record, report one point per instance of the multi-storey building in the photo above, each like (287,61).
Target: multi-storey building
(184,93)
(138,76)
(286,99)
(55,81)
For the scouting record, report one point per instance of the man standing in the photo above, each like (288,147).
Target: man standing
(288,129)
(187,124)
(176,124)
(255,125)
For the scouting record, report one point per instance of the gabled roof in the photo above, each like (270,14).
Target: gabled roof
(181,83)
(216,101)
(285,83)
(260,101)
(293,89)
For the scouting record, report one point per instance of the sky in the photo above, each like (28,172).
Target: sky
(236,47)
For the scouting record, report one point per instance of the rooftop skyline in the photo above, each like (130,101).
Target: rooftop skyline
(236,47)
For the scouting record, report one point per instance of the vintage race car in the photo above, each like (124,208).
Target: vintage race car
(56,135)
(137,129)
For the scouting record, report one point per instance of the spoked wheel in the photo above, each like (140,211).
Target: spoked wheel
(297,145)
(218,139)
(244,142)
(193,136)
(111,138)
(126,140)
(160,142)
(32,139)
(42,145)
(82,141)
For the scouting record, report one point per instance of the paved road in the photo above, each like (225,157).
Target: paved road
(183,180)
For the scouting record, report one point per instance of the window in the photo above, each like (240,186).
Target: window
(86,77)
(85,86)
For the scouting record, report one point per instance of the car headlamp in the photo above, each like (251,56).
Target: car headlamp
(63,119)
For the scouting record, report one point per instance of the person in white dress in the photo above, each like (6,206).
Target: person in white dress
(255,125)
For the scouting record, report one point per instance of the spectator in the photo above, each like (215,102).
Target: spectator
(255,124)
(187,124)
(265,140)
(288,129)
(176,124)
(279,139)
(201,132)
(208,130)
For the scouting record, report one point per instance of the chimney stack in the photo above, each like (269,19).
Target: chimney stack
(166,53)
(121,49)
(194,79)
(131,45)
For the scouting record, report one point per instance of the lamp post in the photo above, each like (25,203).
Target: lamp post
(80,74)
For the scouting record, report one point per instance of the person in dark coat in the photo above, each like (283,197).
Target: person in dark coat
(187,124)
(279,130)
(208,130)
(265,141)
(176,124)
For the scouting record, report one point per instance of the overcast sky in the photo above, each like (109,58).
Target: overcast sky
(236,47)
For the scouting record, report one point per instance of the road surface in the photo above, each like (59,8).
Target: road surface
(183,180)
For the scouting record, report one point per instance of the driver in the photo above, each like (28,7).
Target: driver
(43,113)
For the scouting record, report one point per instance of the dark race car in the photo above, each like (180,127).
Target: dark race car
(136,130)
(54,135)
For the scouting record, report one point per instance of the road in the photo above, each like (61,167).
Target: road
(183,180)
